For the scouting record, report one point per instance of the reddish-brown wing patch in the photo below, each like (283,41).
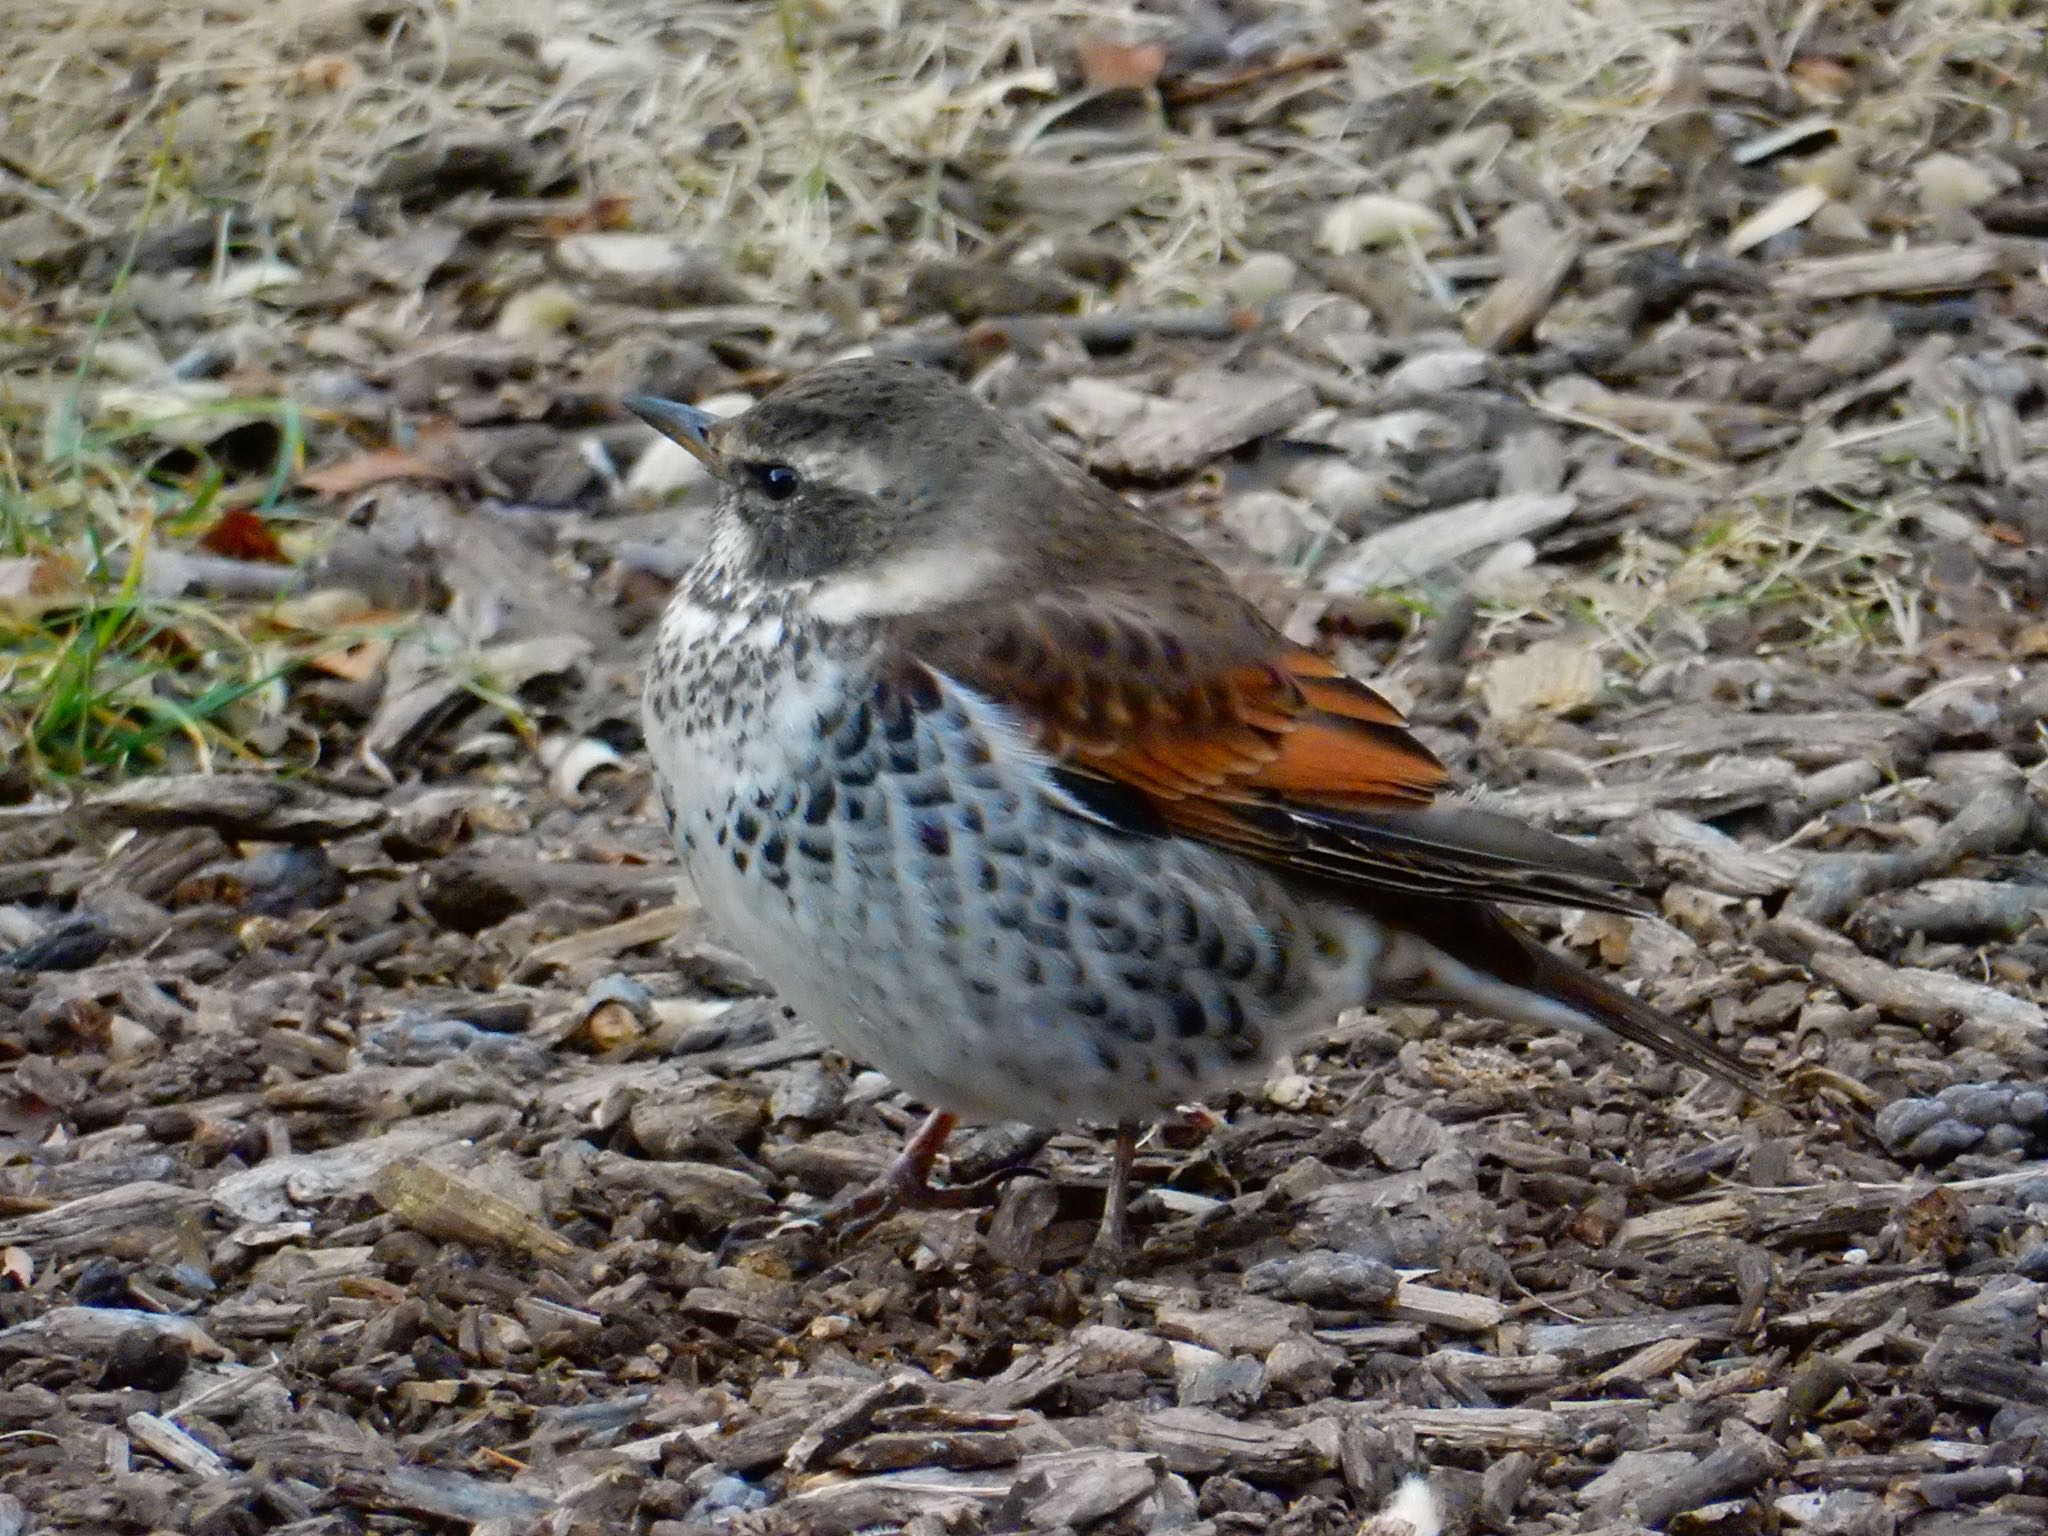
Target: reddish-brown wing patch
(1292,729)
(1196,723)
(1219,729)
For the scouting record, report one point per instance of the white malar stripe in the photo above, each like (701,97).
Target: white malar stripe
(913,583)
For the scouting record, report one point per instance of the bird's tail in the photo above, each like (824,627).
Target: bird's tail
(1479,958)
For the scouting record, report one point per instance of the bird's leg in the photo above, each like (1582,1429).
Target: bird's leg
(909,1178)
(907,1186)
(1113,1237)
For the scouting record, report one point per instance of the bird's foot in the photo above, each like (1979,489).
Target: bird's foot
(907,1186)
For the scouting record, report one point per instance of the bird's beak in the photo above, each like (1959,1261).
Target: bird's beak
(683,424)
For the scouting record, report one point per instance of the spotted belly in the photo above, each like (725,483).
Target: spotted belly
(911,878)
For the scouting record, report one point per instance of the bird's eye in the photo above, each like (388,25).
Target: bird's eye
(778,482)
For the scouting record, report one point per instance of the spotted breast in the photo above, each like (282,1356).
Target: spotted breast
(903,867)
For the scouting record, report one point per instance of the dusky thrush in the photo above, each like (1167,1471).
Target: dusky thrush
(1009,792)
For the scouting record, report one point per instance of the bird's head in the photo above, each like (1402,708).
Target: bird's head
(880,486)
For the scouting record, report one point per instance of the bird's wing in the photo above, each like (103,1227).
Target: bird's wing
(1199,719)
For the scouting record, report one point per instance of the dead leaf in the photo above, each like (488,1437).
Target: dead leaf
(1552,677)
(1819,79)
(31,585)
(240,534)
(1936,1224)
(327,72)
(18,1266)
(355,663)
(606,211)
(1788,210)
(346,477)
(1107,65)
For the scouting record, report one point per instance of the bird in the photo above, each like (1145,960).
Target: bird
(1007,790)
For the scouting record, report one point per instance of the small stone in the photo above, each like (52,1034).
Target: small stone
(1434,373)
(1903,1119)
(1942,1141)
(1269,523)
(1949,184)
(546,309)
(1361,223)
(1260,278)
(1853,346)
(2005,1138)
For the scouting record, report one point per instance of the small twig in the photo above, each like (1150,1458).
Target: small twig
(1194,91)
(19,184)
(1634,439)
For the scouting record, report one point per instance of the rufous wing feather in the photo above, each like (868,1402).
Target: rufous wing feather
(1239,738)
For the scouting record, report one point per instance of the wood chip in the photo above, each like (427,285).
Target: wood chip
(1536,257)
(1492,1429)
(1424,545)
(97,1221)
(444,1203)
(841,1426)
(161,1438)
(1213,414)
(1743,1459)
(1961,1370)
(1706,856)
(1455,1310)
(1198,1440)
(1976,1013)
(1592,1341)
(1914,269)
(656,926)
(237,805)
(1073,1488)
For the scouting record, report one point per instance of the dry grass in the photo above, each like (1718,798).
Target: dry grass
(822,140)
(840,114)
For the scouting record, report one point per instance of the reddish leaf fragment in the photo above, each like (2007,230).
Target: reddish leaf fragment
(241,535)
(607,211)
(1818,78)
(1107,65)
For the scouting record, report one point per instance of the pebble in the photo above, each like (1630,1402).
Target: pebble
(1996,1117)
(1260,278)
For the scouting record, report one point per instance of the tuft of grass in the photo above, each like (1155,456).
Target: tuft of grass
(101,686)
(1843,582)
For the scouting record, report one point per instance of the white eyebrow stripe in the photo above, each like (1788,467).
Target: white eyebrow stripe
(851,469)
(912,583)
